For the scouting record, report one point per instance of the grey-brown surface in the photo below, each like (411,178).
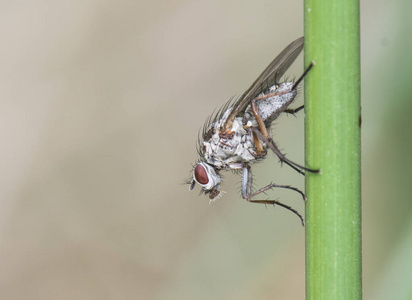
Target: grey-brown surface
(101,103)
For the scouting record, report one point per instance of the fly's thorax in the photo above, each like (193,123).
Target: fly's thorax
(224,149)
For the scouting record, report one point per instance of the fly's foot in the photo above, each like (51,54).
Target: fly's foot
(249,197)
(274,202)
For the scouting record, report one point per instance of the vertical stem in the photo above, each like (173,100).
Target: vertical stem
(332,132)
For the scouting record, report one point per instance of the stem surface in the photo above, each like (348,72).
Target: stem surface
(332,142)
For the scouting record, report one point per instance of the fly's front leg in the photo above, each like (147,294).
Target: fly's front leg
(281,156)
(246,181)
(247,186)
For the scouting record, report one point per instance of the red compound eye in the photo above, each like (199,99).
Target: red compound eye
(201,175)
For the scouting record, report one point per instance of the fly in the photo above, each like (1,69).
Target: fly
(239,133)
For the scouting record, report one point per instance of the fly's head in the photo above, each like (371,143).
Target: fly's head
(207,177)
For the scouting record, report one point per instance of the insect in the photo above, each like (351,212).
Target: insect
(239,133)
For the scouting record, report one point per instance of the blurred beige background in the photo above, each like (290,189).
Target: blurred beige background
(101,103)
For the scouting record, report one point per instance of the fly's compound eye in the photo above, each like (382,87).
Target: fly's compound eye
(201,174)
(205,175)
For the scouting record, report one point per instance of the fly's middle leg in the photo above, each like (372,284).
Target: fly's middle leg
(256,112)
(281,156)
(261,124)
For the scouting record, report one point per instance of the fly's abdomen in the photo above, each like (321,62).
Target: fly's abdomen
(272,103)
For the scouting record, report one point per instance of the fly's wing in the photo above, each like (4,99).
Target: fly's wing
(276,69)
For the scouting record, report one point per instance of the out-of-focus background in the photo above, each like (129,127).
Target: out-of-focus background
(101,104)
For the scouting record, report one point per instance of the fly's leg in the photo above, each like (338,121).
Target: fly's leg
(281,156)
(260,152)
(312,63)
(247,185)
(294,110)
(258,143)
(246,191)
(262,134)
(255,111)
(258,118)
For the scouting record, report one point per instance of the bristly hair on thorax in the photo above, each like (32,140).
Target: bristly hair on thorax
(205,132)
(213,118)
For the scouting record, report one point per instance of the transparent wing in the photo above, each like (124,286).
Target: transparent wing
(275,70)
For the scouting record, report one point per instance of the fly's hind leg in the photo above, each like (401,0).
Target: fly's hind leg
(246,191)
(293,111)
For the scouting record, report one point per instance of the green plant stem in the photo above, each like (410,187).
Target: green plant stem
(332,142)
